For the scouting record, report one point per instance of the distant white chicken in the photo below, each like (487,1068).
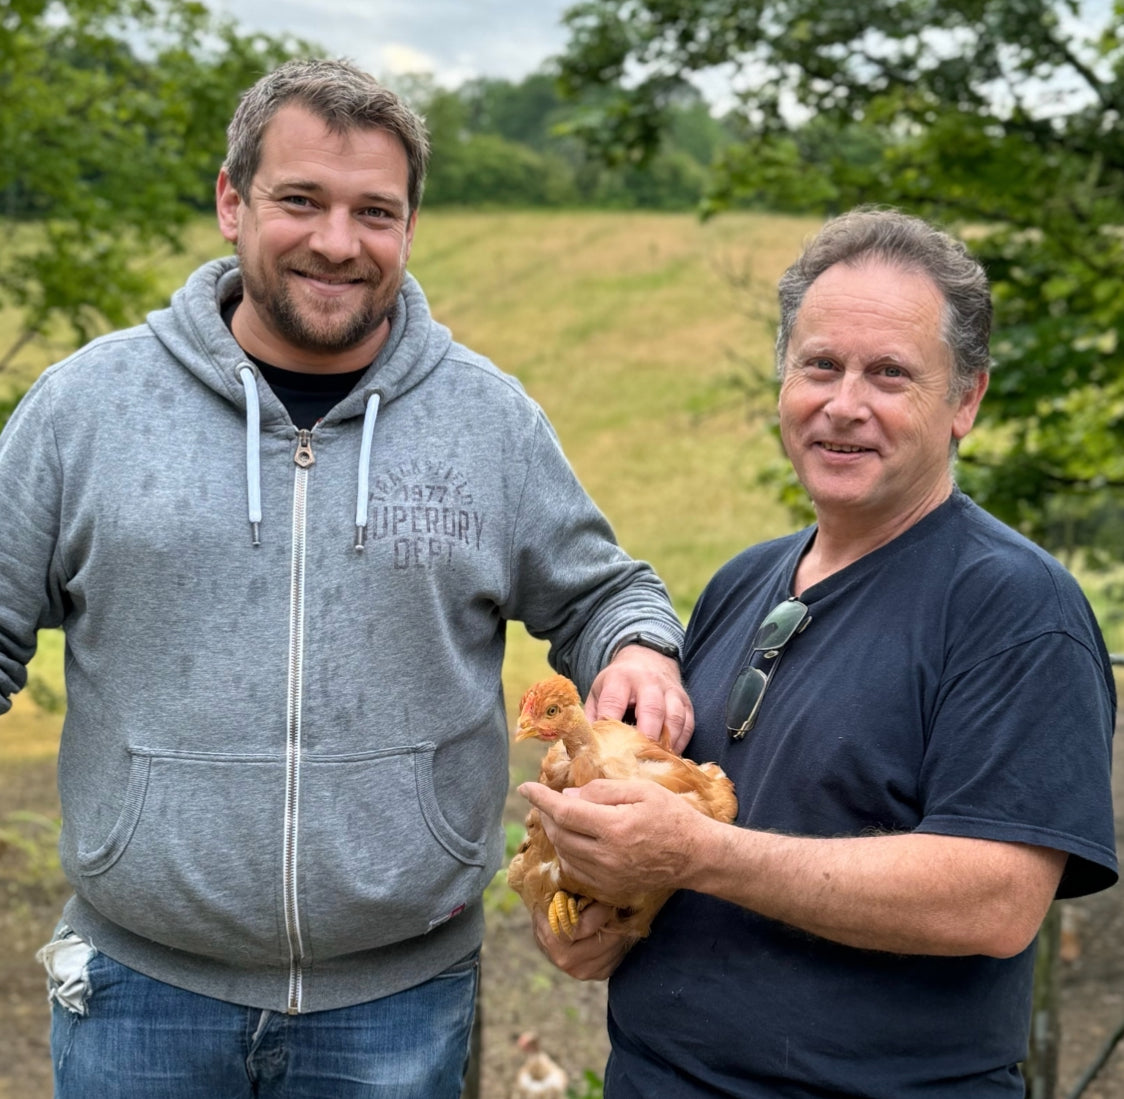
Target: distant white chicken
(540,1076)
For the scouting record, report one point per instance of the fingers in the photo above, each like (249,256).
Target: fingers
(600,832)
(588,824)
(580,811)
(591,955)
(610,696)
(564,819)
(565,806)
(621,836)
(658,709)
(649,684)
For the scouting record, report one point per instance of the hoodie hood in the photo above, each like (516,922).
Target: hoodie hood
(194,332)
(192,329)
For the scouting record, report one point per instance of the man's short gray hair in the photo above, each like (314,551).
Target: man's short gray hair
(343,97)
(914,245)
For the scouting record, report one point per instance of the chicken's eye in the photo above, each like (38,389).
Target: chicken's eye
(552,711)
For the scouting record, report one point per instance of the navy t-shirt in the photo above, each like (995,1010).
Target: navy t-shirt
(954,682)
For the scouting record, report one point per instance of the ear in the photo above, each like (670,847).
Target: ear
(968,406)
(228,204)
(411,224)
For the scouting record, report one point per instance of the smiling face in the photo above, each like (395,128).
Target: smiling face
(865,414)
(322,240)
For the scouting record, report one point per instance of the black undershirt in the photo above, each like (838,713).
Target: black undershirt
(306,397)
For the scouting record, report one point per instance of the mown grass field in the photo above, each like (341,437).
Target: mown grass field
(628,329)
(637,333)
(647,338)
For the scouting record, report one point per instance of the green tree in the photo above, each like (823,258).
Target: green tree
(526,112)
(487,170)
(475,161)
(501,143)
(112,122)
(1000,118)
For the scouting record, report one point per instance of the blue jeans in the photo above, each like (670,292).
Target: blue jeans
(143,1039)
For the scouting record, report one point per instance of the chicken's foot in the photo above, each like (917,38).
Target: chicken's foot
(565,908)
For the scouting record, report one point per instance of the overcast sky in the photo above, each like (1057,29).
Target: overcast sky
(452,39)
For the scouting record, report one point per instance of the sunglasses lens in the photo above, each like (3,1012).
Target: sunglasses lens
(781,626)
(741,706)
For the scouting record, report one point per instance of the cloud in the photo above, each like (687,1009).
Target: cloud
(450,39)
(399,58)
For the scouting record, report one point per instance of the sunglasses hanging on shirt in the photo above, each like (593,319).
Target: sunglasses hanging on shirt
(779,627)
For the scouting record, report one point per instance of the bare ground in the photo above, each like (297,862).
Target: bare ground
(521,991)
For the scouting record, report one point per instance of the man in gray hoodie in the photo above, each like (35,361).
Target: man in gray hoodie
(283,525)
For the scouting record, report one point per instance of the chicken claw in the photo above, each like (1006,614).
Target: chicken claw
(565,908)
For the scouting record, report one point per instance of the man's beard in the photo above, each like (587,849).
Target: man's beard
(327,330)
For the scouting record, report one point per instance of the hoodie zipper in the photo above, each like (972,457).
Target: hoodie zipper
(304,459)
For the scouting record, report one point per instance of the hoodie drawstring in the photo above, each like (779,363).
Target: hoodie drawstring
(253,459)
(369,416)
(253,451)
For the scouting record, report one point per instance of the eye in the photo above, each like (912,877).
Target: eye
(892,374)
(552,711)
(821,363)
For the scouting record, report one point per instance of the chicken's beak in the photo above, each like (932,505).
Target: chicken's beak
(524,731)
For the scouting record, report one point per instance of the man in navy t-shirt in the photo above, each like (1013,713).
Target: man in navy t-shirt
(916,707)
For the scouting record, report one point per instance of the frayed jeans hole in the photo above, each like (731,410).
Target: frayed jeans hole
(66,959)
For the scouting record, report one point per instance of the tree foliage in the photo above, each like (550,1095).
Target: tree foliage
(997,118)
(499,143)
(112,122)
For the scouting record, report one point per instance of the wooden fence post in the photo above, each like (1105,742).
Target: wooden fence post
(1041,1067)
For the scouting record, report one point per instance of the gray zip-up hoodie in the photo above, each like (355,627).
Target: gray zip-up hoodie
(284,759)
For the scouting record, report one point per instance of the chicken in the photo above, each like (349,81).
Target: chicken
(540,1076)
(579,752)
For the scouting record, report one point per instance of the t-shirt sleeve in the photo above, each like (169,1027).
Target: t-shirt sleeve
(1018,751)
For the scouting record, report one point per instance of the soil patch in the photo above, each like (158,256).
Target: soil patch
(521,991)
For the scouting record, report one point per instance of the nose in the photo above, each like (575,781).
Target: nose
(334,236)
(848,398)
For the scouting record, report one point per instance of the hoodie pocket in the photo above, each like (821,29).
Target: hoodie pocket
(194,858)
(379,861)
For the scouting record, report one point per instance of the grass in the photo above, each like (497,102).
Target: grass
(626,329)
(636,332)
(618,325)
(29,732)
(623,326)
